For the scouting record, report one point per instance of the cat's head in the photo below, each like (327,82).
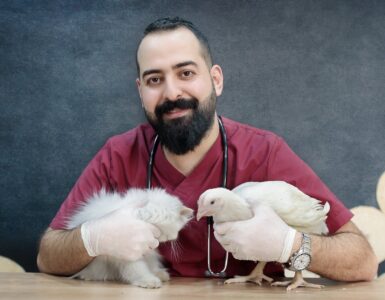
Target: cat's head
(166,212)
(170,227)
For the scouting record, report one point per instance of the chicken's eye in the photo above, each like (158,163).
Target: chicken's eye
(212,202)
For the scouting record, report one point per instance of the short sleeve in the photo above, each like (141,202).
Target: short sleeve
(285,165)
(95,176)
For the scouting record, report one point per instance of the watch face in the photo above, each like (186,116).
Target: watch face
(301,262)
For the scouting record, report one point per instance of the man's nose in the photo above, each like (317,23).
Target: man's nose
(173,90)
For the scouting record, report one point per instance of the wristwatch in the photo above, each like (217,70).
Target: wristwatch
(301,259)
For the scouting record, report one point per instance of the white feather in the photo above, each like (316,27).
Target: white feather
(297,209)
(302,212)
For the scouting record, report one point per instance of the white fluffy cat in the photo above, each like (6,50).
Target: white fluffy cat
(154,206)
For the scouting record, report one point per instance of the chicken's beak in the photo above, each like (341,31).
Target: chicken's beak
(203,213)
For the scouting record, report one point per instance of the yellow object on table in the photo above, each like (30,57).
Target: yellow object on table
(8,265)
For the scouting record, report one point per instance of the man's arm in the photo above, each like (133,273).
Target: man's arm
(118,234)
(345,255)
(62,252)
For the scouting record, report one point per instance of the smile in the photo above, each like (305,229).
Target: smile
(177,113)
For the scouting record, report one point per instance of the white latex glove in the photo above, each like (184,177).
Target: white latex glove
(264,237)
(119,234)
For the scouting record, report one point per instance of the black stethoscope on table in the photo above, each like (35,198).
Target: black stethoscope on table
(208,272)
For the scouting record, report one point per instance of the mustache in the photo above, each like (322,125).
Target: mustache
(181,103)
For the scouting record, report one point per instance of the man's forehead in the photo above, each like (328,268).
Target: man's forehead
(179,44)
(173,36)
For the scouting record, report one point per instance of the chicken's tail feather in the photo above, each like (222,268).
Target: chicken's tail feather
(326,208)
(313,219)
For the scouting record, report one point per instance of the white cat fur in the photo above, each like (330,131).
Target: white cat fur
(154,206)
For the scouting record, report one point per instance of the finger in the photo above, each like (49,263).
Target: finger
(222,239)
(154,243)
(239,255)
(233,249)
(218,237)
(222,228)
(236,255)
(155,231)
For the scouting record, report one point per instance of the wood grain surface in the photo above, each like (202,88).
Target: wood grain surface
(42,286)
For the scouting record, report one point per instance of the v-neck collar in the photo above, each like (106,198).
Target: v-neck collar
(168,173)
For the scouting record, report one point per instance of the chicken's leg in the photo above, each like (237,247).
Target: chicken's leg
(255,276)
(296,282)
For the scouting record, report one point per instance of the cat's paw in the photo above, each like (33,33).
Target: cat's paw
(163,275)
(149,283)
(81,277)
(84,276)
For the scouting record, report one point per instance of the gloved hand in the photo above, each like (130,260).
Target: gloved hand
(119,234)
(264,237)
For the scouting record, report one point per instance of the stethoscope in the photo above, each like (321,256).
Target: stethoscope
(209,272)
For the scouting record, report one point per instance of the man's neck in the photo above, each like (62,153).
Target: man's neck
(186,163)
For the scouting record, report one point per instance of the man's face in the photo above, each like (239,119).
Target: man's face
(177,88)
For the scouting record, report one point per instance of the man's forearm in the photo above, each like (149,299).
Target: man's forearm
(62,252)
(345,256)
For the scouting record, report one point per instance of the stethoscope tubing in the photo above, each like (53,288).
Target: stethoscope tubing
(209,272)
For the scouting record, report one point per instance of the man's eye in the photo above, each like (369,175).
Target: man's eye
(186,74)
(153,80)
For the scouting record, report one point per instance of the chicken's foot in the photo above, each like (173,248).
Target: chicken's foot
(256,276)
(297,281)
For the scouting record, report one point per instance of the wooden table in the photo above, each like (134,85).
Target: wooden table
(28,286)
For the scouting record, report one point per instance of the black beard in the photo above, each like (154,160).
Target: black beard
(183,134)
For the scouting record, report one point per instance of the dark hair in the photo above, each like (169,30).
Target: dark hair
(168,24)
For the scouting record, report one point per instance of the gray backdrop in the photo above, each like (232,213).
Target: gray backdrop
(311,71)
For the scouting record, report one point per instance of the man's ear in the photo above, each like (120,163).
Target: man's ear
(217,78)
(138,85)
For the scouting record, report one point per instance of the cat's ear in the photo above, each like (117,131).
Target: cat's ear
(186,212)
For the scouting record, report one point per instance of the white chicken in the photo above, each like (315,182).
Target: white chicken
(298,210)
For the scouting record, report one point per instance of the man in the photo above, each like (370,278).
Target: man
(178,86)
